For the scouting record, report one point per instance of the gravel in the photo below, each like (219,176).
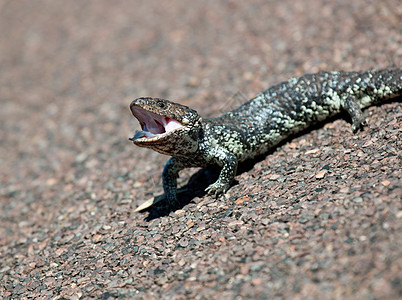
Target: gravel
(319,217)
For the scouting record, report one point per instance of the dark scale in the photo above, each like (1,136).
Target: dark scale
(256,126)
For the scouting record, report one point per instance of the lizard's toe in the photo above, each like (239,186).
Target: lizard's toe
(359,125)
(217,188)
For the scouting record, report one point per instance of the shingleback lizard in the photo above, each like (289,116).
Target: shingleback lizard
(257,125)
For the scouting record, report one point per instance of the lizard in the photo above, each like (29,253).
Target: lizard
(256,126)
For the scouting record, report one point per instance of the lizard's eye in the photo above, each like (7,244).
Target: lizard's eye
(161,105)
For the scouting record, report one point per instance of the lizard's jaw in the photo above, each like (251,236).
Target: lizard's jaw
(154,126)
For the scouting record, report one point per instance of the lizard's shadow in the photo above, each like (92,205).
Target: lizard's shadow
(204,177)
(195,187)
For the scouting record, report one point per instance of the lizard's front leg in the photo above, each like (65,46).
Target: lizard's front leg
(228,162)
(169,179)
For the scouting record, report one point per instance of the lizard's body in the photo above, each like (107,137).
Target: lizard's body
(256,126)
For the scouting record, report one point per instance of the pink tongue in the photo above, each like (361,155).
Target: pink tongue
(171,125)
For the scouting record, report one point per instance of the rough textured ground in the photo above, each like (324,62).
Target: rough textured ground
(320,217)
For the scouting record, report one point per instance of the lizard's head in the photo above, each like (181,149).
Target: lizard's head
(167,127)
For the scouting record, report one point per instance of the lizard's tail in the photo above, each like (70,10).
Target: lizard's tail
(381,85)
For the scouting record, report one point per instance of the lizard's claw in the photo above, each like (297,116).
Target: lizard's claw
(359,125)
(217,188)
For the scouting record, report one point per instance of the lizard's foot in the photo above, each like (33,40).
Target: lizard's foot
(171,202)
(217,188)
(358,124)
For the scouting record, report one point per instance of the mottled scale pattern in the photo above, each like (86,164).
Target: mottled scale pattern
(264,121)
(298,103)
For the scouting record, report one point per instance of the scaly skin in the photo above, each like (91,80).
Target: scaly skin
(256,126)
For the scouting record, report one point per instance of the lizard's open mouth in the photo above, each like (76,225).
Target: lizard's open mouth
(153,125)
